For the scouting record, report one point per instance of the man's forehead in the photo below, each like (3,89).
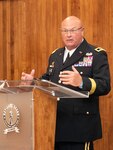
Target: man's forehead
(70,26)
(71,23)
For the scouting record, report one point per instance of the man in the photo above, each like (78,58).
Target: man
(78,120)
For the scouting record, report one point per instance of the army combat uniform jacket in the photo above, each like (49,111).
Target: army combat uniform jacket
(78,120)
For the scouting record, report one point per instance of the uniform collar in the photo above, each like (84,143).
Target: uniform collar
(78,53)
(69,51)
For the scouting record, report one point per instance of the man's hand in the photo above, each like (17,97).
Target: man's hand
(27,77)
(71,77)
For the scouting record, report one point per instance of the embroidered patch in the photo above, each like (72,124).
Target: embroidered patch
(52,64)
(51,68)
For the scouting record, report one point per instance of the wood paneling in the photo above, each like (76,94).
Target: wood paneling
(45,117)
(29,32)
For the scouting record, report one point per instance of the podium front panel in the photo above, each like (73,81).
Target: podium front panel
(16,121)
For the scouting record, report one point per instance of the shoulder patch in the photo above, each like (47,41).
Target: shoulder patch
(54,50)
(99,49)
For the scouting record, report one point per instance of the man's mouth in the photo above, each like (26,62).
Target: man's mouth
(69,40)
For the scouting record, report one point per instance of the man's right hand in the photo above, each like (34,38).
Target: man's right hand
(26,76)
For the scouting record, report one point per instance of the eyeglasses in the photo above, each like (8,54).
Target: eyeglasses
(72,31)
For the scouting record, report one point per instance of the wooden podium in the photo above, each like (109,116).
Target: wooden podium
(28,113)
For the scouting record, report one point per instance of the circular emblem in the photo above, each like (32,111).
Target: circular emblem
(11,117)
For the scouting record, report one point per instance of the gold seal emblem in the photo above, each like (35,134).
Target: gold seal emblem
(11,118)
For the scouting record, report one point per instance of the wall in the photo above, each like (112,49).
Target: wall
(29,32)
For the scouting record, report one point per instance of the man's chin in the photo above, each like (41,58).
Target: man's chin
(69,47)
(70,44)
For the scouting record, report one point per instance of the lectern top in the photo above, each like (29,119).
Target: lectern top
(14,87)
(60,91)
(49,87)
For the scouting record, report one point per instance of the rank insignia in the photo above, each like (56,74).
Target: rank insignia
(99,49)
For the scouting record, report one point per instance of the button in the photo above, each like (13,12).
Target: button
(58,98)
(80,52)
(81,72)
(87,112)
(59,81)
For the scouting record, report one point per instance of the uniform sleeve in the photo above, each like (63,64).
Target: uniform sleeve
(46,75)
(99,82)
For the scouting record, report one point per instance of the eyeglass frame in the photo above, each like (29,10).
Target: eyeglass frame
(72,31)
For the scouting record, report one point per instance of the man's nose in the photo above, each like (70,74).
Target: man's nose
(68,33)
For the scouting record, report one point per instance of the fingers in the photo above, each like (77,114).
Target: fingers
(23,76)
(74,69)
(26,76)
(32,72)
(67,72)
(65,77)
(70,77)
